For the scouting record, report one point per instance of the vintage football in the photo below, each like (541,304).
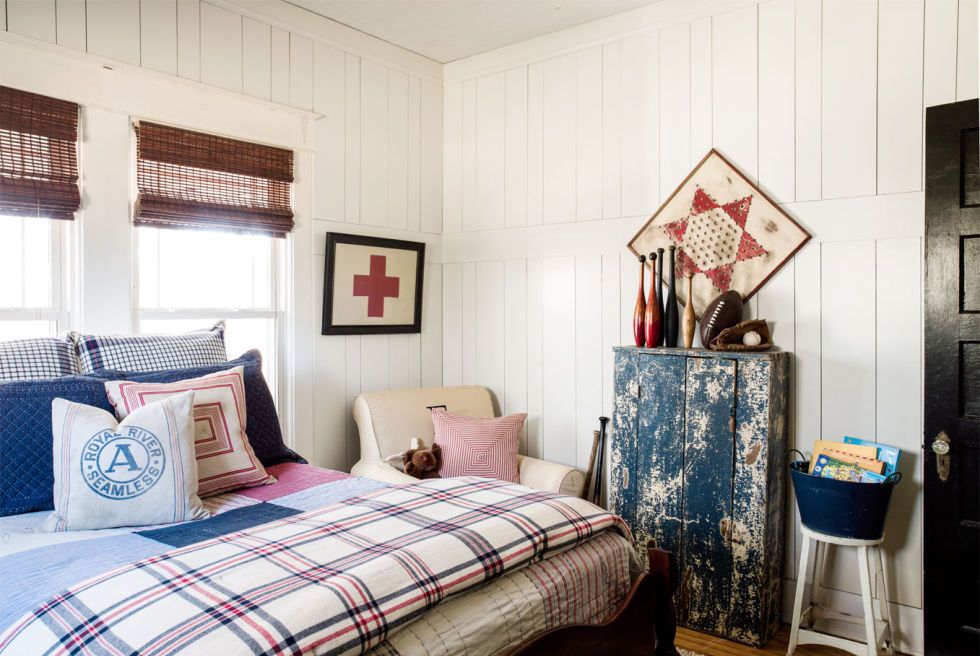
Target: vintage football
(723,312)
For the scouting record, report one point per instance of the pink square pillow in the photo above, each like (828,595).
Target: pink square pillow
(478,446)
(225,459)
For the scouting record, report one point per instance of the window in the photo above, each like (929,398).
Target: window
(188,279)
(33,294)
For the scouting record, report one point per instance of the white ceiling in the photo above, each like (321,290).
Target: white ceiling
(447,30)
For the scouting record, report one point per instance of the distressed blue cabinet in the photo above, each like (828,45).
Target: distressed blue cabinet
(698,464)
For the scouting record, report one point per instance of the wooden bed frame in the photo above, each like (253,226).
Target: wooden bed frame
(644,624)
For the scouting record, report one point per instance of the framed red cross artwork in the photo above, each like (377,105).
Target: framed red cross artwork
(727,232)
(372,285)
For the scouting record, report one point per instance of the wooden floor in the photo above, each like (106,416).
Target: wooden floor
(712,646)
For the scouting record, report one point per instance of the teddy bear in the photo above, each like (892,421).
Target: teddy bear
(423,463)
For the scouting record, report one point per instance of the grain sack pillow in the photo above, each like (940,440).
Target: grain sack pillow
(136,472)
(478,446)
(225,460)
(150,352)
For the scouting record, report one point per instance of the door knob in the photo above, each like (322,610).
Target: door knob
(940,446)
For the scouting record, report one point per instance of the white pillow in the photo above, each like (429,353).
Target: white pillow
(225,459)
(132,473)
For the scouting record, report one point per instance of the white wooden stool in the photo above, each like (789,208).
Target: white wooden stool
(877,628)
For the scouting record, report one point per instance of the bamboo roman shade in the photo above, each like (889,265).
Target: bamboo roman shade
(38,155)
(195,180)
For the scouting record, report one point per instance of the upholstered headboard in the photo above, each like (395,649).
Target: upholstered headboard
(387,421)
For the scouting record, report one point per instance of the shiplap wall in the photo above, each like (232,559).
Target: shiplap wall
(552,161)
(377,166)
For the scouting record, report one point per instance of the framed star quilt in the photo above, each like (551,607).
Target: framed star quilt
(372,285)
(727,232)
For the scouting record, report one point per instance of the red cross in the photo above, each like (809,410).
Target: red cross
(376,286)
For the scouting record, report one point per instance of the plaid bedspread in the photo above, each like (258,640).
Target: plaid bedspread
(336,580)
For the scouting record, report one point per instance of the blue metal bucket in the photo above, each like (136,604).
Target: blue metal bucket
(842,508)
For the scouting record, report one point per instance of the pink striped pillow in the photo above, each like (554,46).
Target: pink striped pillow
(478,446)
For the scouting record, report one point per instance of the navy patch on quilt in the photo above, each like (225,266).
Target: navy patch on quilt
(239,519)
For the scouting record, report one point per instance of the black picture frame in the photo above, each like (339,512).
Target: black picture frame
(335,238)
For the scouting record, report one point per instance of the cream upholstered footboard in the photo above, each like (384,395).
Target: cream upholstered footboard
(387,421)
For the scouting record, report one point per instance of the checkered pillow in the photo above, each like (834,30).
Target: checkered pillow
(151,352)
(30,359)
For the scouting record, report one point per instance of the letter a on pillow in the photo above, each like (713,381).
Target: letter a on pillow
(136,472)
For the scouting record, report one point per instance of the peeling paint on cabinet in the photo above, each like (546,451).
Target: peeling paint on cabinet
(698,460)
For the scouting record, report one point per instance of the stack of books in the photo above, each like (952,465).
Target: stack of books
(855,460)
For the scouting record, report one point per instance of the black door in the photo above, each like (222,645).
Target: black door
(952,381)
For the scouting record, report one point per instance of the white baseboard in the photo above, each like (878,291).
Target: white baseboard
(907,630)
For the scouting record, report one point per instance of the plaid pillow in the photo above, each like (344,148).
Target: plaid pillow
(43,357)
(150,352)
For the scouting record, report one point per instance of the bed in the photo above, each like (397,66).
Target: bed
(254,578)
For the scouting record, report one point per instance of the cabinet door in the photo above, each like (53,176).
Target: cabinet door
(659,459)
(708,456)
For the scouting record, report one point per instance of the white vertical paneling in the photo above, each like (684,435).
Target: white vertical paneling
(114,29)
(397,150)
(468,166)
(628,281)
(701,138)
(452,157)
(640,125)
(158,35)
(330,392)
(352,120)
(612,94)
(413,213)
(70,17)
(900,33)
(189,39)
(588,354)
(535,143)
(808,99)
(558,139)
(452,324)
(490,328)
(256,58)
(847,335)
(734,90)
(675,107)
(588,135)
(33,18)
(849,105)
(612,313)
(3,14)
(558,359)
(490,151)
(221,47)
(353,378)
(374,363)
(398,361)
(535,358)
(279,65)
(939,51)
(374,143)
(300,72)
(432,152)
(515,156)
(515,341)
(966,51)
(328,161)
(777,155)
(806,362)
(431,337)
(469,323)
(899,402)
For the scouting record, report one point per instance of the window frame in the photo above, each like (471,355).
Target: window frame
(62,267)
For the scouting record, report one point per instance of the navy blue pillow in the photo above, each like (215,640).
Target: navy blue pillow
(262,422)
(26,469)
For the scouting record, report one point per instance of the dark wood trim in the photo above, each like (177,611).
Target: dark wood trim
(755,187)
(644,624)
(334,238)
